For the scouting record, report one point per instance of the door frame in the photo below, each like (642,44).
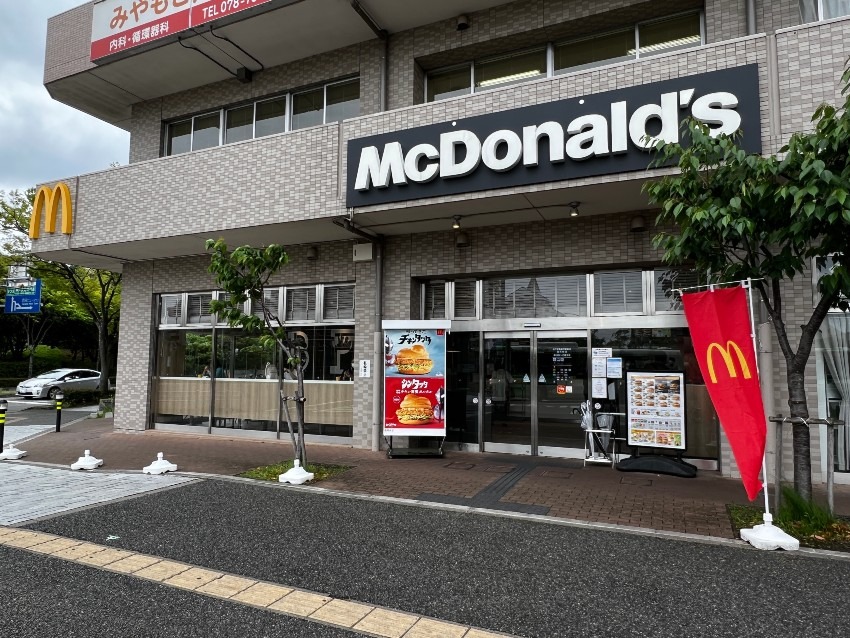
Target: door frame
(532,335)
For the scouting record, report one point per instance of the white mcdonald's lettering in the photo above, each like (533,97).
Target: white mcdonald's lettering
(726,353)
(461,152)
(49,199)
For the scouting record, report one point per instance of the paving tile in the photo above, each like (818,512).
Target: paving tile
(480,633)
(105,557)
(193,578)
(386,623)
(262,594)
(132,563)
(341,612)
(427,628)
(300,603)
(79,551)
(56,545)
(226,586)
(25,539)
(162,570)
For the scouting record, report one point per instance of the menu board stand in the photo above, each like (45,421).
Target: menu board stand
(656,420)
(394,453)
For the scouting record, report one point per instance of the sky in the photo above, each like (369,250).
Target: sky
(42,140)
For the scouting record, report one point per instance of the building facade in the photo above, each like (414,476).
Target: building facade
(479,163)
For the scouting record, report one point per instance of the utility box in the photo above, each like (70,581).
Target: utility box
(363,252)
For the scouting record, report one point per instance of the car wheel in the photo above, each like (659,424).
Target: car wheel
(52,393)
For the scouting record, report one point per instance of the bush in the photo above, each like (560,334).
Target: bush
(84,397)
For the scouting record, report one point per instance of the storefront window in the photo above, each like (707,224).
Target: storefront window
(462,386)
(663,350)
(833,344)
(247,372)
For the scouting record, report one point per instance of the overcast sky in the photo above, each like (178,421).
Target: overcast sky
(42,140)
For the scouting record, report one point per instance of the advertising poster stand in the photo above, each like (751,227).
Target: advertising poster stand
(655,408)
(414,378)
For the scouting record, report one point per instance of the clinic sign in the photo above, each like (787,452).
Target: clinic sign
(118,25)
(604,133)
(24,298)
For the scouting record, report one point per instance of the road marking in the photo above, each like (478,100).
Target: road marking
(362,618)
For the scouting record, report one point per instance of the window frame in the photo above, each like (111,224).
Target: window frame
(287,118)
(551,72)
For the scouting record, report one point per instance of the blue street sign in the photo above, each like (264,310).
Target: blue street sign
(24,299)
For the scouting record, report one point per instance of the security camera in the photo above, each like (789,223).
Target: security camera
(462,22)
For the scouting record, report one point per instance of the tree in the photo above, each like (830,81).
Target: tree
(98,292)
(243,275)
(741,215)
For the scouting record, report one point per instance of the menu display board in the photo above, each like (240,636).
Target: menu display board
(656,408)
(414,382)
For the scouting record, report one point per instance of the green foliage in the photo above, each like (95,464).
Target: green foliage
(272,472)
(76,398)
(804,516)
(244,275)
(738,215)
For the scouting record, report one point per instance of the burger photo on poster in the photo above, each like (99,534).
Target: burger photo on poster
(414,360)
(415,410)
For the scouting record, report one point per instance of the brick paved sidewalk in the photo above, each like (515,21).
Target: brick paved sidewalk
(554,487)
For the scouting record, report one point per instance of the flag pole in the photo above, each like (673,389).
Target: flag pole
(766,535)
(749,286)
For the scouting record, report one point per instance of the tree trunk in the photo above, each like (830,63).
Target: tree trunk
(802,442)
(103,356)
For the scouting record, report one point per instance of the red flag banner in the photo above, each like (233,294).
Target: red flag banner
(720,327)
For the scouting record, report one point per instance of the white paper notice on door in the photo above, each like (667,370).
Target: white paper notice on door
(598,366)
(600,388)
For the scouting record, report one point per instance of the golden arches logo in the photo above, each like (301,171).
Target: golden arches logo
(726,353)
(49,199)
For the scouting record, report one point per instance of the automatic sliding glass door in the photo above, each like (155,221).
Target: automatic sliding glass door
(562,384)
(508,393)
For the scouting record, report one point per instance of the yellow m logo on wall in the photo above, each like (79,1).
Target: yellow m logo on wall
(49,199)
(726,354)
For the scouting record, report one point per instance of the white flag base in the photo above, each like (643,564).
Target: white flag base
(160,466)
(87,462)
(768,536)
(296,476)
(11,453)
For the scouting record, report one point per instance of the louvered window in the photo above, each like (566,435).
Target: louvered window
(465,304)
(435,300)
(618,292)
(666,281)
(224,296)
(271,300)
(557,296)
(301,304)
(171,310)
(198,308)
(338,302)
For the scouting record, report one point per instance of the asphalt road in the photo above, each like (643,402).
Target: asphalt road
(523,577)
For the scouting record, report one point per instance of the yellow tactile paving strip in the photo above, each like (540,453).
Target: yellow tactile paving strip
(359,617)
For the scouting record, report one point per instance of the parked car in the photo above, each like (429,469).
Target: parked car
(65,379)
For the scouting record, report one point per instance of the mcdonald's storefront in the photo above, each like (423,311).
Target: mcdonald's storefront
(477,182)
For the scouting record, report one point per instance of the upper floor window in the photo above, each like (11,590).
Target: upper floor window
(639,41)
(814,10)
(329,103)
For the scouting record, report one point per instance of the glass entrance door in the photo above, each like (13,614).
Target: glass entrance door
(508,393)
(562,384)
(534,383)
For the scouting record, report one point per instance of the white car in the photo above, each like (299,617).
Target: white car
(47,385)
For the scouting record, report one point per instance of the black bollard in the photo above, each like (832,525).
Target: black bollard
(59,397)
(3,405)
